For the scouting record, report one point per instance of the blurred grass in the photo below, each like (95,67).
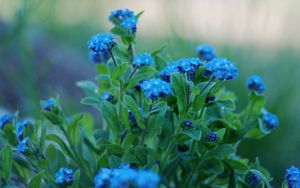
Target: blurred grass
(42,55)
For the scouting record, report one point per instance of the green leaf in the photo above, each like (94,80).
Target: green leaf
(110,115)
(36,180)
(61,143)
(212,166)
(129,158)
(139,14)
(143,73)
(76,179)
(104,83)
(221,151)
(118,73)
(55,158)
(193,134)
(92,101)
(179,86)
(157,51)
(135,110)
(7,159)
(102,68)
(119,30)
(88,87)
(236,164)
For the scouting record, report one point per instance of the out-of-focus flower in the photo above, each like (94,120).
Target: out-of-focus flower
(212,136)
(99,57)
(206,52)
(130,24)
(6,119)
(142,59)
(64,176)
(20,128)
(102,42)
(253,180)
(292,177)
(256,83)
(188,123)
(107,97)
(221,69)
(23,145)
(270,120)
(120,15)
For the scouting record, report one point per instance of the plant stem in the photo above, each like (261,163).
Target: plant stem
(113,58)
(133,71)
(188,92)
(130,51)
(123,136)
(209,82)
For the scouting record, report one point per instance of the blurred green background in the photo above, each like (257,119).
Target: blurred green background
(43,53)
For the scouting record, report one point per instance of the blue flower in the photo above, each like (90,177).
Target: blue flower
(107,97)
(270,120)
(185,65)
(188,123)
(103,178)
(142,59)
(99,57)
(123,177)
(256,83)
(221,69)
(49,105)
(253,180)
(23,145)
(206,52)
(147,179)
(155,88)
(212,136)
(6,119)
(130,24)
(120,15)
(102,42)
(292,177)
(64,176)
(20,128)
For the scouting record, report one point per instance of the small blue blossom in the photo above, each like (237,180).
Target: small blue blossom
(212,136)
(188,123)
(256,83)
(292,177)
(137,87)
(6,119)
(103,178)
(121,15)
(102,42)
(270,120)
(123,177)
(49,105)
(147,179)
(20,128)
(155,88)
(185,65)
(221,69)
(107,97)
(253,180)
(130,24)
(131,117)
(142,59)
(64,176)
(23,145)
(99,57)
(206,52)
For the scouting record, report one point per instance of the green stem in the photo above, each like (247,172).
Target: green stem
(130,51)
(208,83)
(113,58)
(132,73)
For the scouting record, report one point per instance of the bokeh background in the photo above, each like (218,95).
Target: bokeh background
(43,53)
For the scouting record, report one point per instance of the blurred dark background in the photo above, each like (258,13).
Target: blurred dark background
(43,53)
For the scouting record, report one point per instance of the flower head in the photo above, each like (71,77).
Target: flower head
(256,83)
(292,177)
(270,120)
(123,177)
(23,145)
(253,180)
(64,176)
(221,69)
(130,24)
(155,88)
(20,128)
(206,52)
(99,57)
(188,123)
(147,179)
(49,105)
(107,97)
(212,136)
(142,59)
(120,15)
(103,178)
(6,119)
(102,42)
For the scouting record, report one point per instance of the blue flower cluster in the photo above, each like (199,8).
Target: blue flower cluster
(292,177)
(99,57)
(142,59)
(253,180)
(206,52)
(125,18)
(107,97)
(185,65)
(212,136)
(20,128)
(256,83)
(49,105)
(23,145)
(188,123)
(102,42)
(64,176)
(6,119)
(155,88)
(125,177)
(221,69)
(270,120)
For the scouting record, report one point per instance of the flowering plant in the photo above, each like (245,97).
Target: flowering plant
(164,124)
